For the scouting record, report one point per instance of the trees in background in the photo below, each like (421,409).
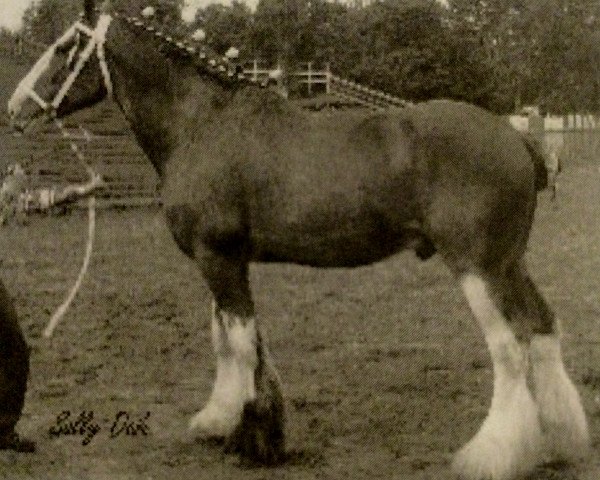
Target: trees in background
(406,48)
(46,20)
(544,52)
(500,54)
(226,26)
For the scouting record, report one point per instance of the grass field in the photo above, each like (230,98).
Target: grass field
(386,373)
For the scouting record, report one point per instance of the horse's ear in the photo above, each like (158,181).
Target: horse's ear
(89,10)
(106,6)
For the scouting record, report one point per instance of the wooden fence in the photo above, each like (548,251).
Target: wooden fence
(49,161)
(315,80)
(578,146)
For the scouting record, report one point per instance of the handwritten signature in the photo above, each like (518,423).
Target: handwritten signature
(86,426)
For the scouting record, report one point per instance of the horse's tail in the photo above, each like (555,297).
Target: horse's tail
(539,157)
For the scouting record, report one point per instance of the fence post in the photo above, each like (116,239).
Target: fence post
(309,77)
(255,70)
(327,79)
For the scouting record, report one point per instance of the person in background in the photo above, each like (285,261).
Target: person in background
(43,199)
(16,200)
(554,148)
(14,352)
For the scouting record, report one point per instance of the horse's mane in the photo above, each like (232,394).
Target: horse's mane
(206,62)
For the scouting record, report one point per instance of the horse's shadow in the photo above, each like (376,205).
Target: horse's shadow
(554,471)
(216,449)
(306,457)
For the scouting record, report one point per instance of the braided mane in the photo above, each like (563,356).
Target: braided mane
(206,63)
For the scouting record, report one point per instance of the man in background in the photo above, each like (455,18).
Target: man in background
(554,148)
(14,369)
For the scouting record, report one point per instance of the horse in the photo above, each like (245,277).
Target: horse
(247,176)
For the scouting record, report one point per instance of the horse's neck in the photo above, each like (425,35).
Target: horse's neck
(161,98)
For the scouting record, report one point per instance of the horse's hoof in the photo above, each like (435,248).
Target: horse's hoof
(565,427)
(260,438)
(215,421)
(508,444)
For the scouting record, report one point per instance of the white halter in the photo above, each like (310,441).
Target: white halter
(26,88)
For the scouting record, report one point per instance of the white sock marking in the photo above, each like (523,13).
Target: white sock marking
(509,441)
(562,416)
(234,341)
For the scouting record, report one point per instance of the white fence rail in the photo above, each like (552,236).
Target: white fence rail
(555,123)
(575,138)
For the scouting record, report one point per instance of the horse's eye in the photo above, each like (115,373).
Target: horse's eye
(65,48)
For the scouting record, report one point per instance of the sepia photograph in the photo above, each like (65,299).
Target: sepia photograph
(300,239)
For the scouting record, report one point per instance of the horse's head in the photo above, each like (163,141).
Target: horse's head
(70,75)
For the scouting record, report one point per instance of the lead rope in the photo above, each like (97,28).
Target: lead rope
(62,309)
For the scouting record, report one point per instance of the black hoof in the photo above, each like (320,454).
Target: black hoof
(260,438)
(12,441)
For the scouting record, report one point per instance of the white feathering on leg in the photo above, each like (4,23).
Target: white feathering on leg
(509,441)
(562,416)
(234,342)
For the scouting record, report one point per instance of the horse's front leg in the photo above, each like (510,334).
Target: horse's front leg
(246,404)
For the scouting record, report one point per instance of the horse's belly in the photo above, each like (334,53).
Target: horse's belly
(331,247)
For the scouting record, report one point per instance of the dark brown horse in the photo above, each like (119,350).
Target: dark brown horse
(249,177)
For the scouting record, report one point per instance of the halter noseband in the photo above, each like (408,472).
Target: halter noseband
(97,40)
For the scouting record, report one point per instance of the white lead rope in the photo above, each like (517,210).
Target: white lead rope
(62,309)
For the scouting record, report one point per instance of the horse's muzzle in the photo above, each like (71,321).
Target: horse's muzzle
(21,124)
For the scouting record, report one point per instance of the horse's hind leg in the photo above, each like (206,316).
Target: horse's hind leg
(509,442)
(562,417)
(521,430)
(246,404)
